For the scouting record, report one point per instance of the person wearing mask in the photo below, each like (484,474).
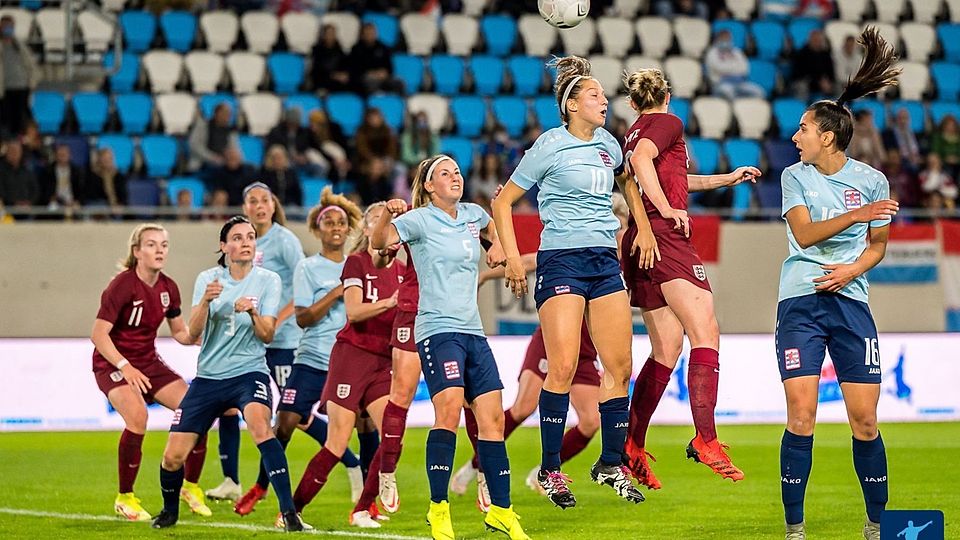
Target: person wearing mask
(727,69)
(18,76)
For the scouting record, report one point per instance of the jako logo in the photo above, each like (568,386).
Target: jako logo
(874,480)
(505,472)
(439,468)
(786,480)
(622,425)
(549,420)
(271,474)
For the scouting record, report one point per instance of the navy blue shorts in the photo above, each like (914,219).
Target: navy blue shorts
(452,359)
(588,272)
(207,399)
(808,325)
(280,362)
(304,388)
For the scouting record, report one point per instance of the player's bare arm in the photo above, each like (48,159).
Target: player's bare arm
(641,162)
(179,331)
(839,275)
(308,316)
(516,276)
(359,311)
(645,241)
(809,232)
(707,182)
(263,327)
(200,312)
(384,233)
(101,340)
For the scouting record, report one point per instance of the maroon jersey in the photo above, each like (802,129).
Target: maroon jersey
(372,335)
(666,132)
(409,296)
(136,310)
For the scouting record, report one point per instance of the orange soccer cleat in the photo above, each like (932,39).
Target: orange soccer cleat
(249,500)
(636,462)
(712,455)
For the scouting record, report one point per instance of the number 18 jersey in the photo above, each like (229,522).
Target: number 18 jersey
(372,335)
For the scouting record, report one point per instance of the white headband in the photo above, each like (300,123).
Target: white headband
(433,166)
(566,93)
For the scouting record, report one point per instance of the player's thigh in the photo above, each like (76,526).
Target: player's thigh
(171,394)
(130,405)
(585,399)
(341,422)
(406,376)
(693,305)
(447,404)
(802,393)
(257,416)
(179,444)
(610,321)
(560,320)
(853,342)
(861,401)
(488,409)
(666,335)
(528,395)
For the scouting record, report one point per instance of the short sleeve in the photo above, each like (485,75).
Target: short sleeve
(480,216)
(664,131)
(352,275)
(173,310)
(881,191)
(616,152)
(270,299)
(533,165)
(409,226)
(792,192)
(113,298)
(199,287)
(302,287)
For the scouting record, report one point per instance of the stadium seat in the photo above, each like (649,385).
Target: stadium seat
(52,24)
(311,188)
(123,79)
(177,112)
(196,188)
(527,74)
(678,107)
(307,103)
(926,11)
(262,112)
(609,71)
(878,109)
(143,192)
(738,31)
(474,8)
(205,69)
(753,116)
(487,74)
(287,71)
(461,149)
(787,112)
(220,30)
(799,30)
(409,69)
(946,76)
(179,29)
(547,112)
(705,153)
(693,35)
(22,20)
(346,110)
(79,149)
(388,29)
(685,75)
(949,34)
(139,29)
(768,37)
(940,109)
(460,32)
(511,113)
(135,111)
(852,10)
(420,32)
(114,5)
(713,115)
(499,33)
(260,30)
(392,107)
(742,152)
(837,32)
(97,34)
(209,102)
(919,40)
(636,61)
(300,30)
(246,71)
(434,106)
(768,190)
(160,155)
(914,80)
(251,147)
(163,69)
(122,147)
(620,107)
(91,110)
(656,36)
(469,115)
(918,115)
(447,72)
(764,73)
(889,32)
(889,11)
(580,39)
(347,25)
(538,38)
(742,9)
(627,8)
(615,35)
(49,110)
(780,155)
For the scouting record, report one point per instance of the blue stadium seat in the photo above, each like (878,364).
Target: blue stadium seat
(787,112)
(461,149)
(91,110)
(347,110)
(527,73)
(738,31)
(680,108)
(251,147)
(408,69)
(706,154)
(742,152)
(878,109)
(499,33)
(780,155)
(32,5)
(469,114)
(768,37)
(545,107)
(345,187)
(122,147)
(769,193)
(124,79)
(447,73)
(193,185)
(311,188)
(799,30)
(142,192)
(48,109)
(392,107)
(388,29)
(764,73)
(306,102)
(949,34)
(209,102)
(139,28)
(939,109)
(79,149)
(179,29)
(286,70)
(511,113)
(160,153)
(947,77)
(487,74)
(135,111)
(917,113)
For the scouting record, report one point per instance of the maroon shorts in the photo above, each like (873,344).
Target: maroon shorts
(159,373)
(535,361)
(356,377)
(402,336)
(678,260)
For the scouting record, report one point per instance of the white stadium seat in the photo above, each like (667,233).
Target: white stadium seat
(435,107)
(656,36)
(622,108)
(616,35)
(205,69)
(742,9)
(246,71)
(628,8)
(300,29)
(163,69)
(177,112)
(22,22)
(220,30)
(713,115)
(852,10)
(347,25)
(684,74)
(954,7)
(460,32)
(638,61)
(420,32)
(889,10)
(914,80)
(52,25)
(609,71)
(889,32)
(113,5)
(753,116)
(97,34)
(538,38)
(579,39)
(919,40)
(693,35)
(926,10)
(474,8)
(837,32)
(261,30)
(262,112)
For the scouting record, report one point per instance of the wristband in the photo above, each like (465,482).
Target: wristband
(122,363)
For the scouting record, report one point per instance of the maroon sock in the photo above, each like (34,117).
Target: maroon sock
(128,459)
(702,381)
(314,477)
(194,464)
(647,391)
(473,433)
(394,424)
(574,441)
(371,487)
(509,423)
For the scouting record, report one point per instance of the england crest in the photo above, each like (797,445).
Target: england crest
(403,334)
(165,299)
(700,272)
(606,159)
(343,390)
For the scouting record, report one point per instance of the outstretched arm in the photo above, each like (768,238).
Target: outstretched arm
(809,232)
(699,182)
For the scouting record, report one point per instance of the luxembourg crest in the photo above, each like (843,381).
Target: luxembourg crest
(700,272)
(343,390)
(165,299)
(403,334)
(852,199)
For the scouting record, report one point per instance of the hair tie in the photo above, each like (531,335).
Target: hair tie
(331,208)
(566,93)
(256,185)
(433,165)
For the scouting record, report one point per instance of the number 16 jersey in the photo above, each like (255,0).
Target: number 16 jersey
(372,335)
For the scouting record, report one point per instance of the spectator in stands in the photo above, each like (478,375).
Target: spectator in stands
(946,144)
(812,67)
(371,63)
(866,144)
(939,188)
(417,142)
(900,135)
(486,178)
(327,147)
(375,139)
(785,9)
(497,141)
(295,139)
(209,139)
(105,184)
(280,177)
(329,65)
(727,69)
(904,187)
(18,184)
(231,178)
(184,205)
(375,182)
(18,76)
(689,8)
(36,155)
(847,60)
(62,184)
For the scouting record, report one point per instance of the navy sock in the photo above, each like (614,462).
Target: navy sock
(614,418)
(553,421)
(262,479)
(318,430)
(230,447)
(796,459)
(275,461)
(870,462)
(170,484)
(496,466)
(369,442)
(441,445)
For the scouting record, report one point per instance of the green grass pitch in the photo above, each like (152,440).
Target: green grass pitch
(67,482)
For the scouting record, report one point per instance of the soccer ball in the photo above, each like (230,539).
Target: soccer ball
(563,13)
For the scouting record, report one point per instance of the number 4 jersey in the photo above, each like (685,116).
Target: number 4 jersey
(373,334)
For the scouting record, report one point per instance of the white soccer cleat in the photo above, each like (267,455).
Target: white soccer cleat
(281,524)
(797,531)
(533,482)
(871,530)
(389,496)
(228,490)
(363,520)
(356,483)
(462,478)
(483,493)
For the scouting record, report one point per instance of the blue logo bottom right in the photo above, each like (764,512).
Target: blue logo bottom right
(911,525)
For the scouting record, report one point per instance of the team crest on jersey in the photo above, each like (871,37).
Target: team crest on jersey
(289,396)
(116,376)
(258,258)
(700,272)
(403,334)
(606,158)
(165,299)
(472,227)
(791,359)
(852,199)
(254,300)
(542,365)
(343,390)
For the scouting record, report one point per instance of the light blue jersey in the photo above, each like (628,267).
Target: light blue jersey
(230,347)
(279,251)
(313,278)
(447,252)
(576,181)
(853,186)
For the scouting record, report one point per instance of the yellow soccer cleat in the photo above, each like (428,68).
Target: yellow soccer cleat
(438,518)
(193,496)
(505,520)
(127,506)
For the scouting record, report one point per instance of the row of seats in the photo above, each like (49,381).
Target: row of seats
(149,191)
(891,11)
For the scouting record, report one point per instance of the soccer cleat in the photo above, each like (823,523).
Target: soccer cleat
(281,523)
(355,474)
(249,500)
(636,462)
(713,455)
(532,481)
(438,518)
(375,512)
(193,496)
(462,478)
(389,496)
(797,531)
(505,520)
(164,519)
(871,530)
(364,520)
(292,522)
(483,493)
(228,490)
(617,477)
(127,505)
(554,484)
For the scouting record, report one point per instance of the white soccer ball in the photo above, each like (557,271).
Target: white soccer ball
(564,13)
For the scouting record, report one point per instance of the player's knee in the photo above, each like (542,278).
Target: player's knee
(561,372)
(523,408)
(136,421)
(447,417)
(173,459)
(260,431)
(402,395)
(802,423)
(864,428)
